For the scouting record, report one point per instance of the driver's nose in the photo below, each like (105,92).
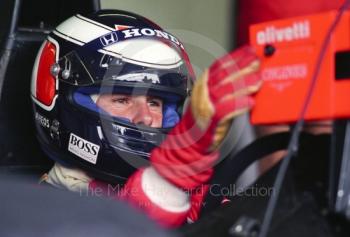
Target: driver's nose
(142,114)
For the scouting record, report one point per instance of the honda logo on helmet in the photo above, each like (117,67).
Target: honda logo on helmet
(136,32)
(109,39)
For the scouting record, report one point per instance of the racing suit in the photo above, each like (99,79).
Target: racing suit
(171,189)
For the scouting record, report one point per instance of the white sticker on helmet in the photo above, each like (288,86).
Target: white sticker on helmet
(83,148)
(138,77)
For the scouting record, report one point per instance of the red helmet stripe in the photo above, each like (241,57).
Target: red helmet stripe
(46,83)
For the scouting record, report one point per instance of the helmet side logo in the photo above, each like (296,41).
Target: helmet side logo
(83,148)
(109,39)
(42,120)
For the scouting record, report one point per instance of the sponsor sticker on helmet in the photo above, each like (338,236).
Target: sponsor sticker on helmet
(130,33)
(83,148)
(109,39)
(42,120)
(138,77)
(137,32)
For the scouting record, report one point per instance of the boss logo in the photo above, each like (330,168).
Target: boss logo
(83,148)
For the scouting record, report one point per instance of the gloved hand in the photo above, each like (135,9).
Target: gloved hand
(186,157)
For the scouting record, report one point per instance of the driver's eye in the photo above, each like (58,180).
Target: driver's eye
(121,100)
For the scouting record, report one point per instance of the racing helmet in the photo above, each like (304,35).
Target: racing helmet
(109,51)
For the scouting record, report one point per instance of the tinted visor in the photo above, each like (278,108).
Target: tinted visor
(88,69)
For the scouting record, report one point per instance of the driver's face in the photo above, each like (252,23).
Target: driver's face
(139,109)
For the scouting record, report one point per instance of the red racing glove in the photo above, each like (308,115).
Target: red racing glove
(186,158)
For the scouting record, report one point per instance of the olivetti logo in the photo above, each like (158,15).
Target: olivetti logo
(109,39)
(272,34)
(83,148)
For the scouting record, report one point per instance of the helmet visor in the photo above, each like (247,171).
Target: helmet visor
(106,70)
